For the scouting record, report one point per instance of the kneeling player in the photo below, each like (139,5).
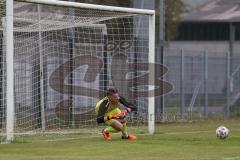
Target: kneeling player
(108,112)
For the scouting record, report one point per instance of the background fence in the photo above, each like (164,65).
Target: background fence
(205,84)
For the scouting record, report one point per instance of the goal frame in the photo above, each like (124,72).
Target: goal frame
(10,54)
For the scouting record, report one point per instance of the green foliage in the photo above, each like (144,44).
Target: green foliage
(174,9)
(2,8)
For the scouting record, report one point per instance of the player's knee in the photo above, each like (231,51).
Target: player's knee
(118,126)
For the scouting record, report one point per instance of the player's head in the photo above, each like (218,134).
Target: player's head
(113,96)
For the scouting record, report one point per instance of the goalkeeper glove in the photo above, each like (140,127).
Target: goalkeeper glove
(123,114)
(112,117)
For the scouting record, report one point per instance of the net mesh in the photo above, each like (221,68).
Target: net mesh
(64,59)
(2,72)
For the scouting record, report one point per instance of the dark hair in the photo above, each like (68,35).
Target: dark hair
(111,91)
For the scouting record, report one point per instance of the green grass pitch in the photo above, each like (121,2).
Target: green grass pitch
(172,141)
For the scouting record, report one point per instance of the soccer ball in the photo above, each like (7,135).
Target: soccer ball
(222,132)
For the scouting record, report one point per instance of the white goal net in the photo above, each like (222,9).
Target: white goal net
(66,56)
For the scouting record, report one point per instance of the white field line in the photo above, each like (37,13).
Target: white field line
(99,135)
(142,134)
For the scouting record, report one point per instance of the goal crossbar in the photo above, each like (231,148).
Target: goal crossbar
(91,6)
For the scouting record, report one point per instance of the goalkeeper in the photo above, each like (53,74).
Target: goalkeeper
(108,112)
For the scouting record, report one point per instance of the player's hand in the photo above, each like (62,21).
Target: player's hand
(123,114)
(112,117)
(128,110)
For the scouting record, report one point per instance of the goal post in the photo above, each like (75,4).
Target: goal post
(61,56)
(10,71)
(151,99)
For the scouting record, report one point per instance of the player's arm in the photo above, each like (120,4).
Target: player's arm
(129,107)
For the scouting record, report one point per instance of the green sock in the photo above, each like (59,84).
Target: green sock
(110,129)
